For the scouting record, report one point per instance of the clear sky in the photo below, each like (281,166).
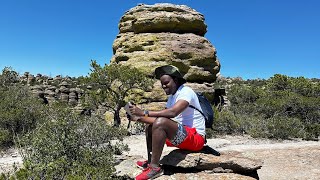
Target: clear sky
(253,38)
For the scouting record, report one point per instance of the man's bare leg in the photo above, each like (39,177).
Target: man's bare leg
(162,129)
(149,141)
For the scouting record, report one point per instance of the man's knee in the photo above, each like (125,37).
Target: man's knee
(161,122)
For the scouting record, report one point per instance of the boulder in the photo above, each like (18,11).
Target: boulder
(205,175)
(163,17)
(64,89)
(64,97)
(156,35)
(37,91)
(179,164)
(49,92)
(73,98)
(229,161)
(65,84)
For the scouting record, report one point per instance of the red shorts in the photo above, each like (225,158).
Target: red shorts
(193,141)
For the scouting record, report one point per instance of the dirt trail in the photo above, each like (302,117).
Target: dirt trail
(294,159)
(8,159)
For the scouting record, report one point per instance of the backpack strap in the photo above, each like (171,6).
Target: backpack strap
(205,137)
(199,112)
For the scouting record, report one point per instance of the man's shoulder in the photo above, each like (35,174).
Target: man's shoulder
(187,89)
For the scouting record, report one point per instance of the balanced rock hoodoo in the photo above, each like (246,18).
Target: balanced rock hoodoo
(154,35)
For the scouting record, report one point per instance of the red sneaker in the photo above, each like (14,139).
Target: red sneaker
(150,173)
(142,164)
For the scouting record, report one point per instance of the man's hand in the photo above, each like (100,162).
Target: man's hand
(136,111)
(135,118)
(132,118)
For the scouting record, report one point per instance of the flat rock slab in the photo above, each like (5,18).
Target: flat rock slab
(227,162)
(179,164)
(204,175)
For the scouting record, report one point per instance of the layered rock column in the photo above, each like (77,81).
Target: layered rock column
(154,35)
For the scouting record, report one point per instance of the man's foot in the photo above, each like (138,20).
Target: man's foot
(150,173)
(142,164)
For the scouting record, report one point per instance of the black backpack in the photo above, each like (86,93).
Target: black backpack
(206,108)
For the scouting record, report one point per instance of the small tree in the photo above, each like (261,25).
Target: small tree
(112,85)
(279,82)
(8,77)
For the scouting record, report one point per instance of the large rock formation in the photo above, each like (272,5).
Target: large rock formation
(154,35)
(49,89)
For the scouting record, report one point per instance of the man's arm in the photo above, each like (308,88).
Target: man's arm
(147,120)
(172,112)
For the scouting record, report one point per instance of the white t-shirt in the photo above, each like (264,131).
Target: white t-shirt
(189,117)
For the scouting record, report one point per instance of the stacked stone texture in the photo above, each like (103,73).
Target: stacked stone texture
(154,35)
(53,89)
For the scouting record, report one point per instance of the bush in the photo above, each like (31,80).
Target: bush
(282,107)
(8,77)
(280,127)
(240,94)
(69,146)
(19,112)
(258,126)
(225,123)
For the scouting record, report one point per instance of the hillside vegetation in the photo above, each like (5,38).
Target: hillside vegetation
(280,107)
(55,142)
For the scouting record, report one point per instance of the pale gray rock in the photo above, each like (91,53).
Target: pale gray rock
(65,84)
(64,97)
(163,17)
(183,165)
(73,97)
(37,91)
(64,89)
(57,78)
(234,161)
(205,176)
(49,93)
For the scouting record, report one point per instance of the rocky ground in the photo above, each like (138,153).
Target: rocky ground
(289,159)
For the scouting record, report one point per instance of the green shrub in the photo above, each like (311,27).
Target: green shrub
(69,146)
(8,77)
(240,94)
(282,107)
(280,127)
(277,127)
(275,103)
(19,112)
(210,133)
(225,123)
(5,136)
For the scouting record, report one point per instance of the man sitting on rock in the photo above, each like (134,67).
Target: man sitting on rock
(178,125)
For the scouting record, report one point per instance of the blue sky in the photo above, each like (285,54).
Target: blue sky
(253,38)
